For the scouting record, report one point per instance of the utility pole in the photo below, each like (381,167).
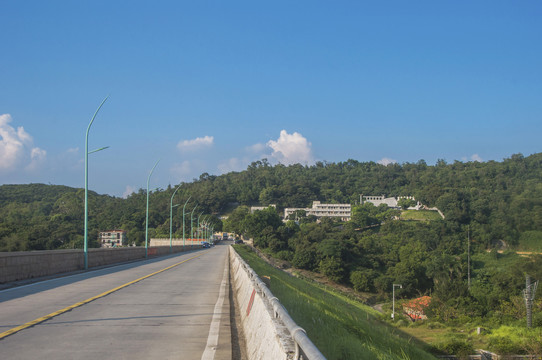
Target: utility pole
(528,295)
(393,306)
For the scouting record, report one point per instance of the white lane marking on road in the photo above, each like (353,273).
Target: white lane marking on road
(212,340)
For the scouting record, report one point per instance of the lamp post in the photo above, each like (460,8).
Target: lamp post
(85,244)
(147,218)
(171,219)
(198,230)
(204,225)
(202,230)
(191,222)
(207,227)
(393,311)
(183,217)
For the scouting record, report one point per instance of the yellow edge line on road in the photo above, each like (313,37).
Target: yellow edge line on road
(66,309)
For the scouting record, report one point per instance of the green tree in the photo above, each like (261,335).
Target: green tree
(333,268)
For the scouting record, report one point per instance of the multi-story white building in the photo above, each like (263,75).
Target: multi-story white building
(343,211)
(112,238)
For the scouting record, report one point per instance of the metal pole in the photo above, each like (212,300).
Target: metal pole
(183,218)
(393,311)
(202,231)
(205,225)
(147,218)
(393,306)
(528,301)
(171,219)
(85,244)
(198,230)
(191,223)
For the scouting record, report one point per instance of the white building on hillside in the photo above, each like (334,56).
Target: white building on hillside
(391,202)
(343,211)
(259,208)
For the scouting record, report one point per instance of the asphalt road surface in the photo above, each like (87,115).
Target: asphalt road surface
(173,307)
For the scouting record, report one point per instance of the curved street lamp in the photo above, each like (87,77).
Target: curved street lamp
(207,225)
(184,239)
(147,218)
(171,219)
(198,230)
(204,227)
(191,223)
(85,244)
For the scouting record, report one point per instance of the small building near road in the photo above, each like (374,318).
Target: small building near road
(112,238)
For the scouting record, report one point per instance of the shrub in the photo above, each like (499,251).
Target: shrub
(332,267)
(435,325)
(459,347)
(503,345)
(305,258)
(362,280)
(285,255)
(516,340)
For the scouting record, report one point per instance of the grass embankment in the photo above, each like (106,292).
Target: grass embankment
(340,327)
(531,241)
(420,215)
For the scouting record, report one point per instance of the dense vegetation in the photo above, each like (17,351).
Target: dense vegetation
(501,201)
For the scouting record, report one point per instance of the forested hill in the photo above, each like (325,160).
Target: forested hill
(500,200)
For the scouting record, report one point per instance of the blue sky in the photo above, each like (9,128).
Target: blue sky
(210,86)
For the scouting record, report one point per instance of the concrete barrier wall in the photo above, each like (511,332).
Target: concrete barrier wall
(22,265)
(266,337)
(175,242)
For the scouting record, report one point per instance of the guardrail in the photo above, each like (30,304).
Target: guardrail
(305,349)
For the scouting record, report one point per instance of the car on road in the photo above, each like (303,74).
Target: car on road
(205,245)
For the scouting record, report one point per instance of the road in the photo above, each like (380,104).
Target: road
(173,307)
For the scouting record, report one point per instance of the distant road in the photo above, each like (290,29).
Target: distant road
(174,307)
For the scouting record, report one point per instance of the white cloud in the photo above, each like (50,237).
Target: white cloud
(386,161)
(476,157)
(189,170)
(37,158)
(196,144)
(473,157)
(256,148)
(129,191)
(181,170)
(291,148)
(233,164)
(16,147)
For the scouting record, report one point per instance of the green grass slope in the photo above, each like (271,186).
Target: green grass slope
(421,215)
(340,327)
(531,241)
